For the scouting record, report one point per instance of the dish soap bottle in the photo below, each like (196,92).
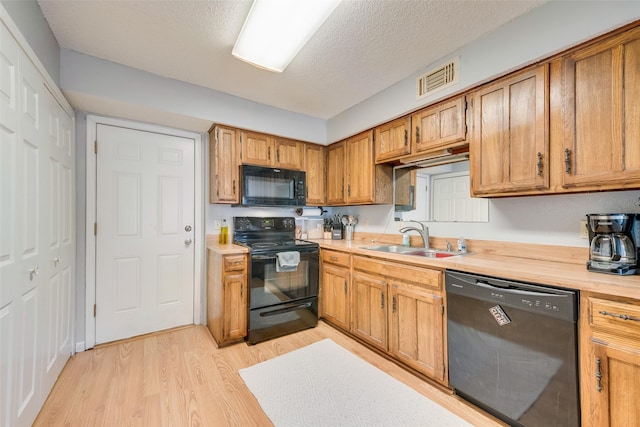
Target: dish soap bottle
(224,233)
(462,245)
(406,241)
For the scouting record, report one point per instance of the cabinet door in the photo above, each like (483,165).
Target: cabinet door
(416,330)
(439,126)
(392,140)
(335,296)
(369,309)
(316,173)
(224,159)
(601,87)
(336,174)
(360,169)
(289,154)
(234,326)
(510,143)
(611,386)
(257,149)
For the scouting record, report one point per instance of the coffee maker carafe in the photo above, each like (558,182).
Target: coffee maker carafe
(614,243)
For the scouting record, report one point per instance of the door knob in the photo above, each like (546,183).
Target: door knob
(187,228)
(33,272)
(56,261)
(187,242)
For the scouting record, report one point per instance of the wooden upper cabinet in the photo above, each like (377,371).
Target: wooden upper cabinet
(439,126)
(360,169)
(257,149)
(224,159)
(289,154)
(601,113)
(509,147)
(265,150)
(316,172)
(392,140)
(336,174)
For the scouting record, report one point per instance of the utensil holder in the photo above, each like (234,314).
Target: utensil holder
(348,232)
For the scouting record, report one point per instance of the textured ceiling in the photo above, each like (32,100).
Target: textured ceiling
(364,47)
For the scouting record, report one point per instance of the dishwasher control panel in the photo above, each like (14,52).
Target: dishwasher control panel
(556,302)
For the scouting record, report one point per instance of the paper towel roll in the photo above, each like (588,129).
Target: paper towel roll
(308,211)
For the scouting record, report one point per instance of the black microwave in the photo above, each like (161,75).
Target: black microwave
(262,186)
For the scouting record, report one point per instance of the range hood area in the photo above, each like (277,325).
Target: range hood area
(437,158)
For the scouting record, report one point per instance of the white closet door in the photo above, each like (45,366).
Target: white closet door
(36,226)
(23,233)
(61,241)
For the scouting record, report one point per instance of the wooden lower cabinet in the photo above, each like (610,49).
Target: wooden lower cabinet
(227,297)
(416,329)
(399,309)
(369,309)
(335,292)
(610,361)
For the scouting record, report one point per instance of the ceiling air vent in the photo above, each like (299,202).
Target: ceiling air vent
(439,78)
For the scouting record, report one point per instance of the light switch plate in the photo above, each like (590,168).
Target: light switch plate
(217,224)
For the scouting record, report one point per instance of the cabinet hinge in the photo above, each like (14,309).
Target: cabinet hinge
(95,146)
(94,310)
(95,228)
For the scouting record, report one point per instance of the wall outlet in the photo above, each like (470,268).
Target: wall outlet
(584,230)
(217,223)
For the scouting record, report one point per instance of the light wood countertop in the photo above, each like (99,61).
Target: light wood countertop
(562,274)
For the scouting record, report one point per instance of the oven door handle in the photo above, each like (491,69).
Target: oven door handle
(285,310)
(262,257)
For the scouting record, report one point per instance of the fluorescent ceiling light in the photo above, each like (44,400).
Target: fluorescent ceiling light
(275,30)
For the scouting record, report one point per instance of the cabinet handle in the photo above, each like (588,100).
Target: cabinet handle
(620,316)
(393,304)
(348,190)
(598,376)
(567,160)
(382,300)
(269,153)
(406,137)
(417,134)
(345,286)
(539,164)
(241,291)
(278,155)
(333,258)
(234,186)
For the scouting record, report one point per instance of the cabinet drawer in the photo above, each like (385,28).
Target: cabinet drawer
(234,263)
(337,258)
(368,265)
(421,276)
(618,318)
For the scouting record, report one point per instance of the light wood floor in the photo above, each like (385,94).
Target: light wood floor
(179,378)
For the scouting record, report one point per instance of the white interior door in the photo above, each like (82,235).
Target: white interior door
(145,229)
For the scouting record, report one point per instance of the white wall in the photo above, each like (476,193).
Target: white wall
(159,100)
(545,30)
(549,220)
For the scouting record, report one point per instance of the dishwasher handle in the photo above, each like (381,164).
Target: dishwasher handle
(515,290)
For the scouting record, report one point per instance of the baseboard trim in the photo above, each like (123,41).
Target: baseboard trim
(80,347)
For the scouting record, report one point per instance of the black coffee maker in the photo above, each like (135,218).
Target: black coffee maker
(614,243)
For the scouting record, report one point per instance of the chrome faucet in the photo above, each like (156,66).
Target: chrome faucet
(423,232)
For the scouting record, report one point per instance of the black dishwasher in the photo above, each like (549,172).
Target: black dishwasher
(513,349)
